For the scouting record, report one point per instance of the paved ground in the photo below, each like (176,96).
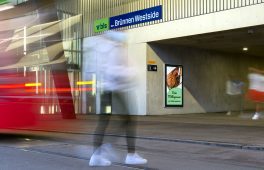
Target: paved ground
(192,142)
(237,130)
(36,152)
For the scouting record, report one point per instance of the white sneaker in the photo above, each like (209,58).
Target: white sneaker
(228,113)
(256,116)
(98,160)
(134,159)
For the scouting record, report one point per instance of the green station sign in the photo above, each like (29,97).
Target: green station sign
(2,2)
(101,25)
(128,19)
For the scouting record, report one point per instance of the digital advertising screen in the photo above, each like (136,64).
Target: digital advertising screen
(173,85)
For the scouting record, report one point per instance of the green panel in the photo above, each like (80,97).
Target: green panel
(2,2)
(101,25)
(174,97)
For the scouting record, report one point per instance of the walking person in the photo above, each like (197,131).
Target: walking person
(118,79)
(256,89)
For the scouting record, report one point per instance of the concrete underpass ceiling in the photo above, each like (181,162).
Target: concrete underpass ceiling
(231,41)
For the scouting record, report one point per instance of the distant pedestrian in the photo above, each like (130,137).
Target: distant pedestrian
(256,89)
(234,87)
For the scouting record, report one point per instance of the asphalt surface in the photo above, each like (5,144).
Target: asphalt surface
(172,142)
(237,130)
(55,151)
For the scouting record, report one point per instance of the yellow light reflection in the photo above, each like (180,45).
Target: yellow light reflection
(85,83)
(33,84)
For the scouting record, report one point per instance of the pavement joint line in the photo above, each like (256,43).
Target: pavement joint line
(187,141)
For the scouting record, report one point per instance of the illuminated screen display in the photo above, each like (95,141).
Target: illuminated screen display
(173,85)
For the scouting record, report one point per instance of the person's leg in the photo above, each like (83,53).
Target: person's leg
(258,107)
(129,124)
(130,133)
(257,113)
(126,121)
(101,126)
(98,158)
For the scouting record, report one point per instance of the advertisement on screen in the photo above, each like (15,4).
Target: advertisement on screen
(173,85)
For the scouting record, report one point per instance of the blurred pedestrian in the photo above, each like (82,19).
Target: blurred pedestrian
(256,89)
(234,88)
(118,78)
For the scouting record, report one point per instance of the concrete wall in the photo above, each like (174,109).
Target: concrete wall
(137,57)
(205,76)
(219,21)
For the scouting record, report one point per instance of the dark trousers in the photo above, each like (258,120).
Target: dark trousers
(125,121)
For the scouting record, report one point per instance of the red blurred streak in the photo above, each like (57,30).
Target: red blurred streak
(12,86)
(36,103)
(42,90)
